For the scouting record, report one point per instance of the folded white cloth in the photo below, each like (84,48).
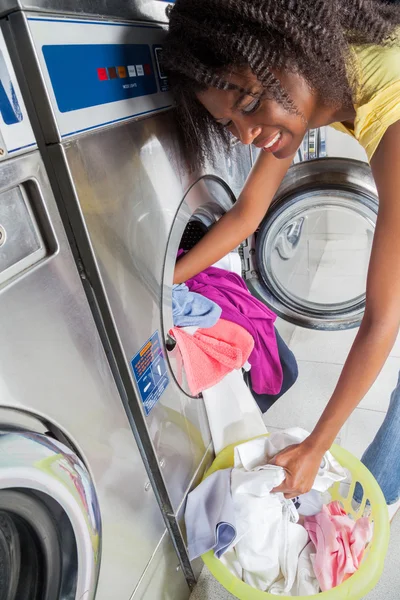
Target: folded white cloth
(232,412)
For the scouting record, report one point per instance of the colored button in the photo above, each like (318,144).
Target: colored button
(122,72)
(131,71)
(147,69)
(139,69)
(102,74)
(112,72)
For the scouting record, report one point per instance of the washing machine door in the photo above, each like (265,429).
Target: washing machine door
(308,261)
(49,521)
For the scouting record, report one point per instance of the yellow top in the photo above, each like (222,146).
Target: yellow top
(377,96)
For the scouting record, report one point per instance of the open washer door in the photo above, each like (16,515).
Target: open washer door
(309,258)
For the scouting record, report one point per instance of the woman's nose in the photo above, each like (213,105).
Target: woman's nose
(247,134)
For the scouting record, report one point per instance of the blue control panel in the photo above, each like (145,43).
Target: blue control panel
(87,75)
(98,72)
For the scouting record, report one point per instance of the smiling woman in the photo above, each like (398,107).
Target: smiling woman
(265,71)
(249,114)
(260,69)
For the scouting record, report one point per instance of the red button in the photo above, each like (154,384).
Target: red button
(147,69)
(102,74)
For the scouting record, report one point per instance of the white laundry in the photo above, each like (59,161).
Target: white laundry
(231,262)
(232,412)
(306,584)
(265,532)
(191,330)
(210,516)
(269,540)
(291,549)
(231,562)
(309,504)
(259,452)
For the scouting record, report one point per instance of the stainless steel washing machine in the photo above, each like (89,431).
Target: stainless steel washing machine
(100,108)
(78,515)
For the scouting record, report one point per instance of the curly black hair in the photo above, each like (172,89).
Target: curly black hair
(207,38)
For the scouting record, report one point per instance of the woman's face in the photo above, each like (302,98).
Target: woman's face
(263,122)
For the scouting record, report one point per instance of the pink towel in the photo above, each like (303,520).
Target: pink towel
(340,544)
(212,353)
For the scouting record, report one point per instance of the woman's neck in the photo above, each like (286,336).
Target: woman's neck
(326,115)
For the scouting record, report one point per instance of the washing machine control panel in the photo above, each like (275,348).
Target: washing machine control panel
(98,73)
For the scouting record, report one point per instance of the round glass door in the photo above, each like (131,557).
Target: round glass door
(313,248)
(203,205)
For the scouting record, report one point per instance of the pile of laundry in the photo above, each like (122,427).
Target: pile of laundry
(222,332)
(285,547)
(219,327)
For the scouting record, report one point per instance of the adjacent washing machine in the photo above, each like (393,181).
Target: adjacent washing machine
(78,515)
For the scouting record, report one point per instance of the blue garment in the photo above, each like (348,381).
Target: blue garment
(193,310)
(382,456)
(210,516)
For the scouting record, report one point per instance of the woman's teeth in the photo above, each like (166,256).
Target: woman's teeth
(274,140)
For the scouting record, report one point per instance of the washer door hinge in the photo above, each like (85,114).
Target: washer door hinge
(247,254)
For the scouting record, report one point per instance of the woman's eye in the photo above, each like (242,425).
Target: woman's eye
(252,107)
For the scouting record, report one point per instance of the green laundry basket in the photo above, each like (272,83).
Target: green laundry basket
(366,577)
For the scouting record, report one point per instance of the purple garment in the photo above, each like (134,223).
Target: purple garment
(229,291)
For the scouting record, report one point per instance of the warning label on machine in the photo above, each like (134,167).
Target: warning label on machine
(150,371)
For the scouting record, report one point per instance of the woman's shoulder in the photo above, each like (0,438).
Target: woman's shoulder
(377,94)
(377,68)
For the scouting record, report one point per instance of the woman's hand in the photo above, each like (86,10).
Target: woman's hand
(301,463)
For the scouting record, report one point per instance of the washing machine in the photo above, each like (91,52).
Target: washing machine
(79,516)
(101,111)
(102,114)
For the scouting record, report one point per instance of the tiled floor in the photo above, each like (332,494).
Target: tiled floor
(320,356)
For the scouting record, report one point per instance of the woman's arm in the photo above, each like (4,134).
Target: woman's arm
(241,221)
(377,332)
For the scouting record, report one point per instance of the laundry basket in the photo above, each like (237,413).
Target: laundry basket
(369,572)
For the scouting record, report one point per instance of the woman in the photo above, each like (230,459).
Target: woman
(265,71)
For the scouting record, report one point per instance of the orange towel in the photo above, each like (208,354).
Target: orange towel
(212,353)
